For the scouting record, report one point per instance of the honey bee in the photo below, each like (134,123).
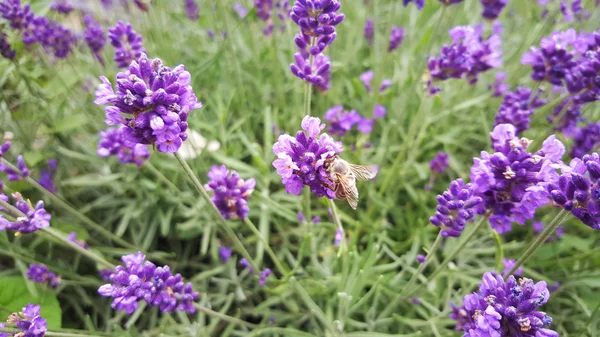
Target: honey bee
(344,176)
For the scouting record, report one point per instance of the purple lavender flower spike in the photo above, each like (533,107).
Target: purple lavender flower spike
(114,143)
(439,163)
(264,10)
(367,77)
(29,321)
(421,258)
(419,3)
(143,5)
(504,308)
(224,253)
(512,181)
(240,10)
(340,121)
(455,207)
(73,238)
(191,10)
(499,87)
(317,74)
(62,6)
(492,8)
(369,31)
(317,20)
(54,38)
(396,38)
(127,42)
(339,236)
(138,279)
(570,115)
(586,140)
(22,167)
(94,37)
(6,49)
(230,192)
(35,217)
(19,18)
(39,273)
(244,263)
(300,159)
(262,277)
(47,176)
(517,107)
(508,264)
(152,101)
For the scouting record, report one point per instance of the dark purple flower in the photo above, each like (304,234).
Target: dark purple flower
(517,107)
(240,10)
(316,74)
(113,142)
(508,264)
(504,308)
(439,163)
(396,38)
(47,176)
(62,6)
(341,121)
(73,238)
(367,77)
(140,280)
(586,140)
(500,87)
(419,3)
(20,18)
(317,20)
(142,4)
(262,277)
(94,37)
(5,48)
(577,190)
(244,263)
(224,253)
(492,8)
(455,207)
(127,42)
(230,192)
(512,181)
(369,31)
(191,10)
(300,159)
(39,273)
(54,38)
(152,101)
(421,258)
(35,217)
(22,166)
(29,321)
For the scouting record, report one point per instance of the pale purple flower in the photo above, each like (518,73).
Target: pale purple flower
(35,217)
(262,277)
(29,321)
(224,253)
(396,38)
(421,258)
(113,142)
(39,273)
(500,87)
(508,264)
(240,10)
(367,77)
(340,120)
(230,192)
(191,10)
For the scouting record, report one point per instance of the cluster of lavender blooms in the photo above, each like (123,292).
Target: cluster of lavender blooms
(52,36)
(47,176)
(367,77)
(585,140)
(191,10)
(230,192)
(28,321)
(577,189)
(35,217)
(140,280)
(152,101)
(396,38)
(127,42)
(502,308)
(439,163)
(300,159)
(264,11)
(468,55)
(10,173)
(512,181)
(94,37)
(262,276)
(517,107)
(6,49)
(573,11)
(342,121)
(62,6)
(113,142)
(39,273)
(455,208)
(317,20)
(492,8)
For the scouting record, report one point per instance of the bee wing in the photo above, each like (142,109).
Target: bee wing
(363,172)
(347,190)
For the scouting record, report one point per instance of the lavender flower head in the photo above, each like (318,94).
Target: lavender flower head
(262,277)
(35,217)
(492,8)
(512,181)
(365,125)
(577,190)
(300,159)
(517,107)
(240,10)
(244,263)
(152,101)
(396,38)
(230,192)
(369,31)
(191,10)
(585,140)
(47,176)
(439,163)
(19,18)
(264,10)
(139,279)
(367,77)
(419,3)
(508,264)
(502,308)
(6,49)
(39,273)
(499,87)
(94,37)
(62,6)
(317,20)
(127,42)
(421,258)
(114,143)
(29,321)
(455,207)
(341,121)
(224,254)
(316,74)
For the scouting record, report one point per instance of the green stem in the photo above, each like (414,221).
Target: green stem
(224,317)
(338,222)
(404,292)
(204,194)
(282,269)
(161,176)
(458,249)
(538,241)
(80,216)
